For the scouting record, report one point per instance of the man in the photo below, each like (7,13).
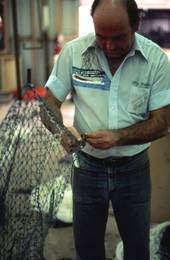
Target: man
(121,89)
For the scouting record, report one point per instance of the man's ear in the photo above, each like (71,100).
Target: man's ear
(136,27)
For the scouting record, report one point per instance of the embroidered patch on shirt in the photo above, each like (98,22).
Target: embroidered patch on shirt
(95,79)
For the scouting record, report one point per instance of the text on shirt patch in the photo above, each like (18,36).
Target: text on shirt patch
(94,79)
(88,73)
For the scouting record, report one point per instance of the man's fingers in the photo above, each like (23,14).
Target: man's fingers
(75,133)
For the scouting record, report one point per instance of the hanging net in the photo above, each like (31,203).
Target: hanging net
(33,177)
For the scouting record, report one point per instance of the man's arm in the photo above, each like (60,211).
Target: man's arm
(155,127)
(54,106)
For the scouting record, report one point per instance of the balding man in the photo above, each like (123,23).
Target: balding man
(120,83)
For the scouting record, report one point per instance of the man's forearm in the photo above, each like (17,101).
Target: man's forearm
(155,127)
(53,106)
(146,131)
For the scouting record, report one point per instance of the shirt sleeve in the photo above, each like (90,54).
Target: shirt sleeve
(60,82)
(160,91)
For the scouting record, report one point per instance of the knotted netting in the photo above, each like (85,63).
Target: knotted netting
(33,177)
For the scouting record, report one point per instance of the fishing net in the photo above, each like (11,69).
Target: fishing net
(33,177)
(159,243)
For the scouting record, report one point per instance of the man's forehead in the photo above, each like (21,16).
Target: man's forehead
(110,14)
(111,21)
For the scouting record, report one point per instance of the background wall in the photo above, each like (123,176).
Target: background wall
(160,173)
(39,22)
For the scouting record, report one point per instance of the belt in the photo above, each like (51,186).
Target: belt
(113,161)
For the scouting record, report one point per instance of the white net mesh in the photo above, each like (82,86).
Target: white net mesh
(33,178)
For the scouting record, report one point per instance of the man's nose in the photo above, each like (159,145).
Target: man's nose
(110,44)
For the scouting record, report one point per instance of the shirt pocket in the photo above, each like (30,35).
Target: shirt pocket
(138,100)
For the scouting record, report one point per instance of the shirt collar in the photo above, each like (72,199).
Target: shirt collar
(92,44)
(136,46)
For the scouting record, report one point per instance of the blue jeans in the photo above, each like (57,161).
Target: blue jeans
(128,187)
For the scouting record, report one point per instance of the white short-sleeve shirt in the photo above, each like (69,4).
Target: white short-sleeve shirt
(105,101)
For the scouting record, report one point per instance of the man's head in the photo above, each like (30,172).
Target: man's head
(129,5)
(115,22)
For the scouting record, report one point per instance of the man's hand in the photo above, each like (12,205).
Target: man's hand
(74,132)
(103,139)
(68,142)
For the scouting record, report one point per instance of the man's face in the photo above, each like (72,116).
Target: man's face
(114,34)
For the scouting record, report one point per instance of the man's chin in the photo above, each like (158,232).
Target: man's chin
(115,55)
